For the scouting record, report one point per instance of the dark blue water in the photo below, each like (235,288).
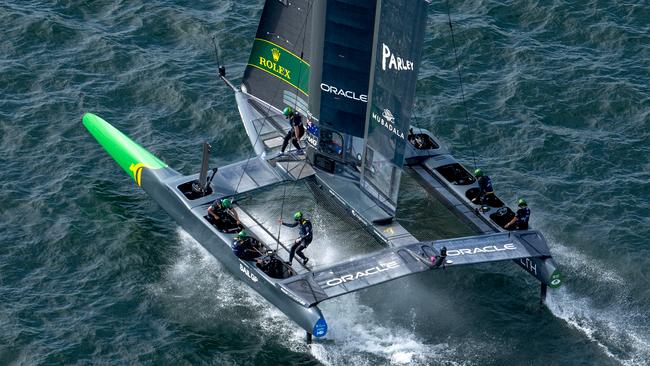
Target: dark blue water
(93,272)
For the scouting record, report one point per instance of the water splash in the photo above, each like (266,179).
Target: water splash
(197,290)
(603,314)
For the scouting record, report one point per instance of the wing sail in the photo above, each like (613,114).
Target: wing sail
(316,286)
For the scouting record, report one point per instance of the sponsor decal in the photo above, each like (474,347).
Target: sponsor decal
(343,93)
(556,282)
(273,64)
(477,250)
(276,54)
(248,273)
(276,60)
(556,279)
(137,172)
(381,267)
(529,265)
(388,115)
(390,61)
(387,120)
(320,328)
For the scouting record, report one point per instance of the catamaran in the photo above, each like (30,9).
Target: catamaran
(350,68)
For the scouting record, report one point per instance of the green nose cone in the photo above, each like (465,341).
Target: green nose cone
(129,155)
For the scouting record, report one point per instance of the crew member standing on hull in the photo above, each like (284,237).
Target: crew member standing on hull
(306,236)
(520,221)
(296,131)
(486,192)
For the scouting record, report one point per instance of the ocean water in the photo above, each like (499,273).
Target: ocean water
(93,272)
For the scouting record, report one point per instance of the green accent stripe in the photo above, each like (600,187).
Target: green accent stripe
(268,72)
(281,63)
(122,149)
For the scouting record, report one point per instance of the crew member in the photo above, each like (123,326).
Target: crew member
(306,236)
(486,192)
(273,267)
(520,221)
(222,207)
(295,131)
(244,247)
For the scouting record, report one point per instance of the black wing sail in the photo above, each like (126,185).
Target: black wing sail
(342,39)
(317,286)
(396,59)
(278,68)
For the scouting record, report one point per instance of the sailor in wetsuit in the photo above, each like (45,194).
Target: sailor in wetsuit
(306,236)
(520,221)
(220,208)
(486,192)
(295,132)
(273,267)
(244,247)
(416,140)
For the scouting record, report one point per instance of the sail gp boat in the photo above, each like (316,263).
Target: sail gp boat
(349,67)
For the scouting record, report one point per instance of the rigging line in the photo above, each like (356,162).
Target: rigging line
(295,104)
(462,89)
(302,50)
(250,155)
(284,194)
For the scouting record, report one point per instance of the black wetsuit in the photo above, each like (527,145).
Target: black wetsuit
(219,210)
(486,192)
(294,121)
(306,236)
(245,249)
(523,215)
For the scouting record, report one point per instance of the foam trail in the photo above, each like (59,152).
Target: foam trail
(201,292)
(359,339)
(612,327)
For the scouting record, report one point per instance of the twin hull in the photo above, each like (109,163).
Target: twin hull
(161,185)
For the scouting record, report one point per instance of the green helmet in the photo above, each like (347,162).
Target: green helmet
(287,111)
(478,172)
(226,203)
(241,234)
(521,202)
(297,216)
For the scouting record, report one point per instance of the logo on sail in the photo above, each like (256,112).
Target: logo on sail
(272,64)
(387,120)
(388,115)
(343,93)
(271,58)
(390,61)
